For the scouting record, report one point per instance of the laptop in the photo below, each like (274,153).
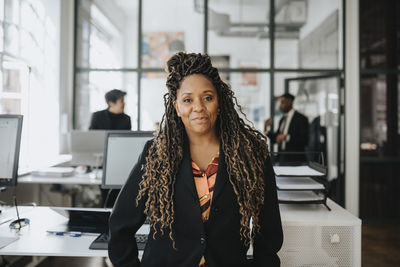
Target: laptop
(88,221)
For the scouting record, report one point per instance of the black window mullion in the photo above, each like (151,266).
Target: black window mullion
(139,64)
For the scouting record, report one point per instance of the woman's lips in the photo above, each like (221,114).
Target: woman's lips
(200,119)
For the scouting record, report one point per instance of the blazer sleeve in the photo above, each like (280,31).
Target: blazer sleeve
(93,122)
(300,132)
(126,218)
(129,123)
(269,240)
(271,135)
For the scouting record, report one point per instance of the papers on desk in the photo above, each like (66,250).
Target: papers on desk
(297,183)
(54,172)
(296,171)
(5,241)
(295,196)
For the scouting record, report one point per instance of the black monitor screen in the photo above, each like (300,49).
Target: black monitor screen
(10,139)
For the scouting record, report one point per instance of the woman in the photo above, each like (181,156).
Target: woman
(199,181)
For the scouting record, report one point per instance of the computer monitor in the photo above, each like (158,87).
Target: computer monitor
(121,153)
(10,140)
(87,147)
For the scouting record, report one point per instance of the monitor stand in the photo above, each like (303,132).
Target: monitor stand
(95,174)
(2,203)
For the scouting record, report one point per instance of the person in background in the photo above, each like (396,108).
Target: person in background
(292,133)
(112,118)
(199,182)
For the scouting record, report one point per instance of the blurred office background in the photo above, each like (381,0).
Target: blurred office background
(341,59)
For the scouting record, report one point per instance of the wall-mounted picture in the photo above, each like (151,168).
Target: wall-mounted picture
(158,47)
(249,78)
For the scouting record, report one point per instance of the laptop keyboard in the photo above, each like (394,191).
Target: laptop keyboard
(101,242)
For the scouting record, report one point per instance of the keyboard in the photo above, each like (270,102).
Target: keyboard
(101,242)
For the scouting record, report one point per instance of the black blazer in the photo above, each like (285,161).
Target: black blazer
(298,131)
(218,239)
(101,121)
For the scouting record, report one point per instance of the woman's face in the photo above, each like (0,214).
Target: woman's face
(197,104)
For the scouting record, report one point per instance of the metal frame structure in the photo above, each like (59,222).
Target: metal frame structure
(271,70)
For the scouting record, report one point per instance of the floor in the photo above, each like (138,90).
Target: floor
(381,245)
(380,248)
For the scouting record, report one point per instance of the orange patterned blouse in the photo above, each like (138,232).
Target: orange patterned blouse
(205,182)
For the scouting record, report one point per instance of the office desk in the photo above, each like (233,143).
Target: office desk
(35,241)
(313,236)
(86,179)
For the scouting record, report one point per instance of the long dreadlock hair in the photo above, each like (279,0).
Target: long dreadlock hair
(244,147)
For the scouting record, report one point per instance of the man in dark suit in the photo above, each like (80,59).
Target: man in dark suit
(292,133)
(112,118)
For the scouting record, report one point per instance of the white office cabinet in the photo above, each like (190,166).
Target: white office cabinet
(314,236)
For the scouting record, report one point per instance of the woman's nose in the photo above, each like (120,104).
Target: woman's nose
(198,106)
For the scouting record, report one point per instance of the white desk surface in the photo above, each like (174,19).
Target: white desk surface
(82,179)
(34,240)
(317,214)
(59,159)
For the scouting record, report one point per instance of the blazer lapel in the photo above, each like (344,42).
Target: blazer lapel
(185,174)
(292,125)
(222,175)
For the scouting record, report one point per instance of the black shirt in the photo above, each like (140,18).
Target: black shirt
(106,120)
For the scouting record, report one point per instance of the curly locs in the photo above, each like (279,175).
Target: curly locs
(244,147)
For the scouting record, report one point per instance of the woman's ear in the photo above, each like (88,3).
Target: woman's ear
(177,109)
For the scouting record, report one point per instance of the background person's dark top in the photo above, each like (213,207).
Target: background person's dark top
(219,239)
(106,120)
(298,131)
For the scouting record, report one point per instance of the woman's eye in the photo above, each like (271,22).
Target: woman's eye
(208,98)
(186,100)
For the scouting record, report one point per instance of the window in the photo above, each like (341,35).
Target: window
(29,75)
(257,46)
(106,40)
(309,34)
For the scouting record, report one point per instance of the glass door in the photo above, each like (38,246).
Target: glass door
(319,99)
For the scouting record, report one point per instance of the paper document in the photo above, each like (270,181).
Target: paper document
(296,171)
(305,183)
(54,172)
(298,196)
(5,241)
